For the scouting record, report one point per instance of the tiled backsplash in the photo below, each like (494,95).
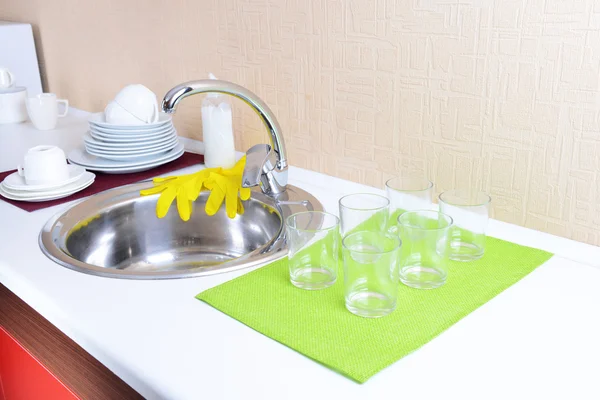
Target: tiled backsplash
(502,95)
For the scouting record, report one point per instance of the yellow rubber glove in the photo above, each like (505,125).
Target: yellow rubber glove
(226,185)
(186,189)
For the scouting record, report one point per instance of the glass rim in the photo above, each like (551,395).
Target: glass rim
(323,213)
(364,209)
(474,204)
(397,240)
(429,184)
(448,218)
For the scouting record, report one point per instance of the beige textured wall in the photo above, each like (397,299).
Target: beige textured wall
(502,95)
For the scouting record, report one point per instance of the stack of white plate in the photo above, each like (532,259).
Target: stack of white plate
(14,187)
(118,149)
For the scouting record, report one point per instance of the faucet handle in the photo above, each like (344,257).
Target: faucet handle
(260,159)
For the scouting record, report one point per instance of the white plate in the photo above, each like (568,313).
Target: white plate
(86,180)
(130,155)
(131,170)
(131,139)
(135,149)
(88,139)
(136,135)
(80,157)
(17,182)
(111,131)
(83,180)
(137,168)
(98,120)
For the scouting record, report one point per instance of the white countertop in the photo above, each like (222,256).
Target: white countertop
(538,339)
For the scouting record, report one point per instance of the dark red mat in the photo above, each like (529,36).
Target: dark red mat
(108,181)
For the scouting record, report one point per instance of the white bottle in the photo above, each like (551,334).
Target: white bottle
(217,128)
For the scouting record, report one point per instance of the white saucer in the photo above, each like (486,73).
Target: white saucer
(80,157)
(98,120)
(91,143)
(84,181)
(140,131)
(131,155)
(16,182)
(108,137)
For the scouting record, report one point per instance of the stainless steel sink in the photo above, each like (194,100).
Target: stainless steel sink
(117,234)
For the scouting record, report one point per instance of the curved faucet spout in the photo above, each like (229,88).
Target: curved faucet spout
(174,96)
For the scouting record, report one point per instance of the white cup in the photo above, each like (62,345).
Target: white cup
(7,79)
(43,110)
(140,102)
(44,165)
(12,105)
(115,114)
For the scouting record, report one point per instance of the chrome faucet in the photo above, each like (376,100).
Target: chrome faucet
(266,165)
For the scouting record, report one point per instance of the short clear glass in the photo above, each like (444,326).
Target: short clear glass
(313,241)
(424,254)
(371,262)
(363,212)
(470,211)
(408,194)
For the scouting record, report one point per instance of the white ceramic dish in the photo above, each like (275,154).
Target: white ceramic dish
(138,168)
(84,181)
(131,132)
(130,139)
(44,165)
(111,152)
(97,119)
(17,182)
(138,101)
(127,147)
(80,157)
(131,170)
(130,155)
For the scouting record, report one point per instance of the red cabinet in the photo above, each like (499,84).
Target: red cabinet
(37,361)
(23,377)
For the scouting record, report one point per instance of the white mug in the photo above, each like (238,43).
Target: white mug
(44,165)
(140,102)
(7,79)
(43,110)
(12,105)
(115,114)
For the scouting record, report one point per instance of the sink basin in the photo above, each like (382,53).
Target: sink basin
(117,234)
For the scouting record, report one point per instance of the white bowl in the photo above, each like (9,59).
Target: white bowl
(115,114)
(140,102)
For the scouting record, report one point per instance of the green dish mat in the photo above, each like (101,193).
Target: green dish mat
(317,324)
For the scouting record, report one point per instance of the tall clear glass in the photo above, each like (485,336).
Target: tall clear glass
(371,273)
(470,211)
(408,194)
(363,212)
(313,241)
(424,255)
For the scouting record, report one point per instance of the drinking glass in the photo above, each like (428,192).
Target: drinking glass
(408,194)
(470,211)
(313,240)
(370,273)
(424,255)
(363,212)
